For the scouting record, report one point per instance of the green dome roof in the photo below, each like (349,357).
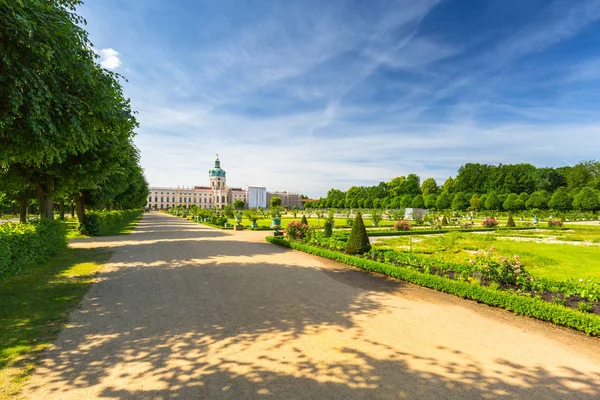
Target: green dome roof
(216,171)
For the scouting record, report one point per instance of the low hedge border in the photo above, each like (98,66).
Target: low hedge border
(521,305)
(417,231)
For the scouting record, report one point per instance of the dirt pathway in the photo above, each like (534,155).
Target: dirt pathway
(190,312)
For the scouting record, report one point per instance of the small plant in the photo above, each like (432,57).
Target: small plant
(585,307)
(328,228)
(402,226)
(444,221)
(358,241)
(297,231)
(349,222)
(489,223)
(560,300)
(555,223)
(466,225)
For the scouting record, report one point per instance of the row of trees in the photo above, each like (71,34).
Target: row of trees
(66,129)
(481,187)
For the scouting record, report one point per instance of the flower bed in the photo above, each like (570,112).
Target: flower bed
(518,303)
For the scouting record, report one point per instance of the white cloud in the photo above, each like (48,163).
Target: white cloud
(109,58)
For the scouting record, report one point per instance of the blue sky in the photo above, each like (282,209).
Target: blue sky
(308,95)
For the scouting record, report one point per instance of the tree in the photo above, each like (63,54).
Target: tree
(368,203)
(52,98)
(275,201)
(513,203)
(376,203)
(561,200)
(418,202)
(444,201)
(429,186)
(238,204)
(538,199)
(412,185)
(586,199)
(476,203)
(358,241)
(406,201)
(460,202)
(430,201)
(492,201)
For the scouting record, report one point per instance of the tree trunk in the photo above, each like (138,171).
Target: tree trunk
(45,196)
(61,209)
(80,210)
(72,210)
(23,211)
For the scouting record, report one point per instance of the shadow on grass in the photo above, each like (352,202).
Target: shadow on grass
(35,305)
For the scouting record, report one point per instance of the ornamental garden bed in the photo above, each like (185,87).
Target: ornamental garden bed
(568,303)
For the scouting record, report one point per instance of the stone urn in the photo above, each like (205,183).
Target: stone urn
(276,222)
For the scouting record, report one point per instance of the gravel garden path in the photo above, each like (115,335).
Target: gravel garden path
(190,312)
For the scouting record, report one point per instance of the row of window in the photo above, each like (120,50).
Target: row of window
(185,200)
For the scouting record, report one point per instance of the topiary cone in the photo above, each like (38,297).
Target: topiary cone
(511,222)
(444,220)
(304,220)
(358,241)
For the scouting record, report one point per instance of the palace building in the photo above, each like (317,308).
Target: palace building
(216,195)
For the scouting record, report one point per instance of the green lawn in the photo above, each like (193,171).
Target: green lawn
(339,222)
(34,307)
(549,260)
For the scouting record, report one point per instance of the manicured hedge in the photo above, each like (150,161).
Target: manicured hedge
(103,223)
(414,232)
(23,245)
(522,305)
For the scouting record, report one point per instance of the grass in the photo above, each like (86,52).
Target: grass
(36,305)
(547,260)
(73,232)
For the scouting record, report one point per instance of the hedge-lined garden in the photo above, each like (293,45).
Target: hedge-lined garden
(23,245)
(519,304)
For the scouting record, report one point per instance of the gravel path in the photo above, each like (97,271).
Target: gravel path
(189,312)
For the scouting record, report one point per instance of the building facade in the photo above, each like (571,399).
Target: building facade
(216,195)
(288,200)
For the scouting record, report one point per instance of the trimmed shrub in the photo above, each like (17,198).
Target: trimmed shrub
(304,221)
(328,227)
(102,223)
(511,222)
(22,245)
(358,241)
(444,221)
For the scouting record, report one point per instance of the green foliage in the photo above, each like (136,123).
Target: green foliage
(24,245)
(511,222)
(460,202)
(358,241)
(238,204)
(522,305)
(561,200)
(328,227)
(104,223)
(275,201)
(443,201)
(586,200)
(513,203)
(303,220)
(444,221)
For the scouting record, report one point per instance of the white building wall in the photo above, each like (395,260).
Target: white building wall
(257,196)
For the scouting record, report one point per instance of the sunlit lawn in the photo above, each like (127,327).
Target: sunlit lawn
(549,260)
(35,305)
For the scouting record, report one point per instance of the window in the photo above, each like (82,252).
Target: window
(161,199)
(222,199)
(150,199)
(156,199)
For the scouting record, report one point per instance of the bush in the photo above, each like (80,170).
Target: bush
(102,223)
(304,221)
(555,223)
(328,227)
(23,245)
(489,223)
(402,226)
(511,222)
(297,230)
(358,241)
(444,221)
